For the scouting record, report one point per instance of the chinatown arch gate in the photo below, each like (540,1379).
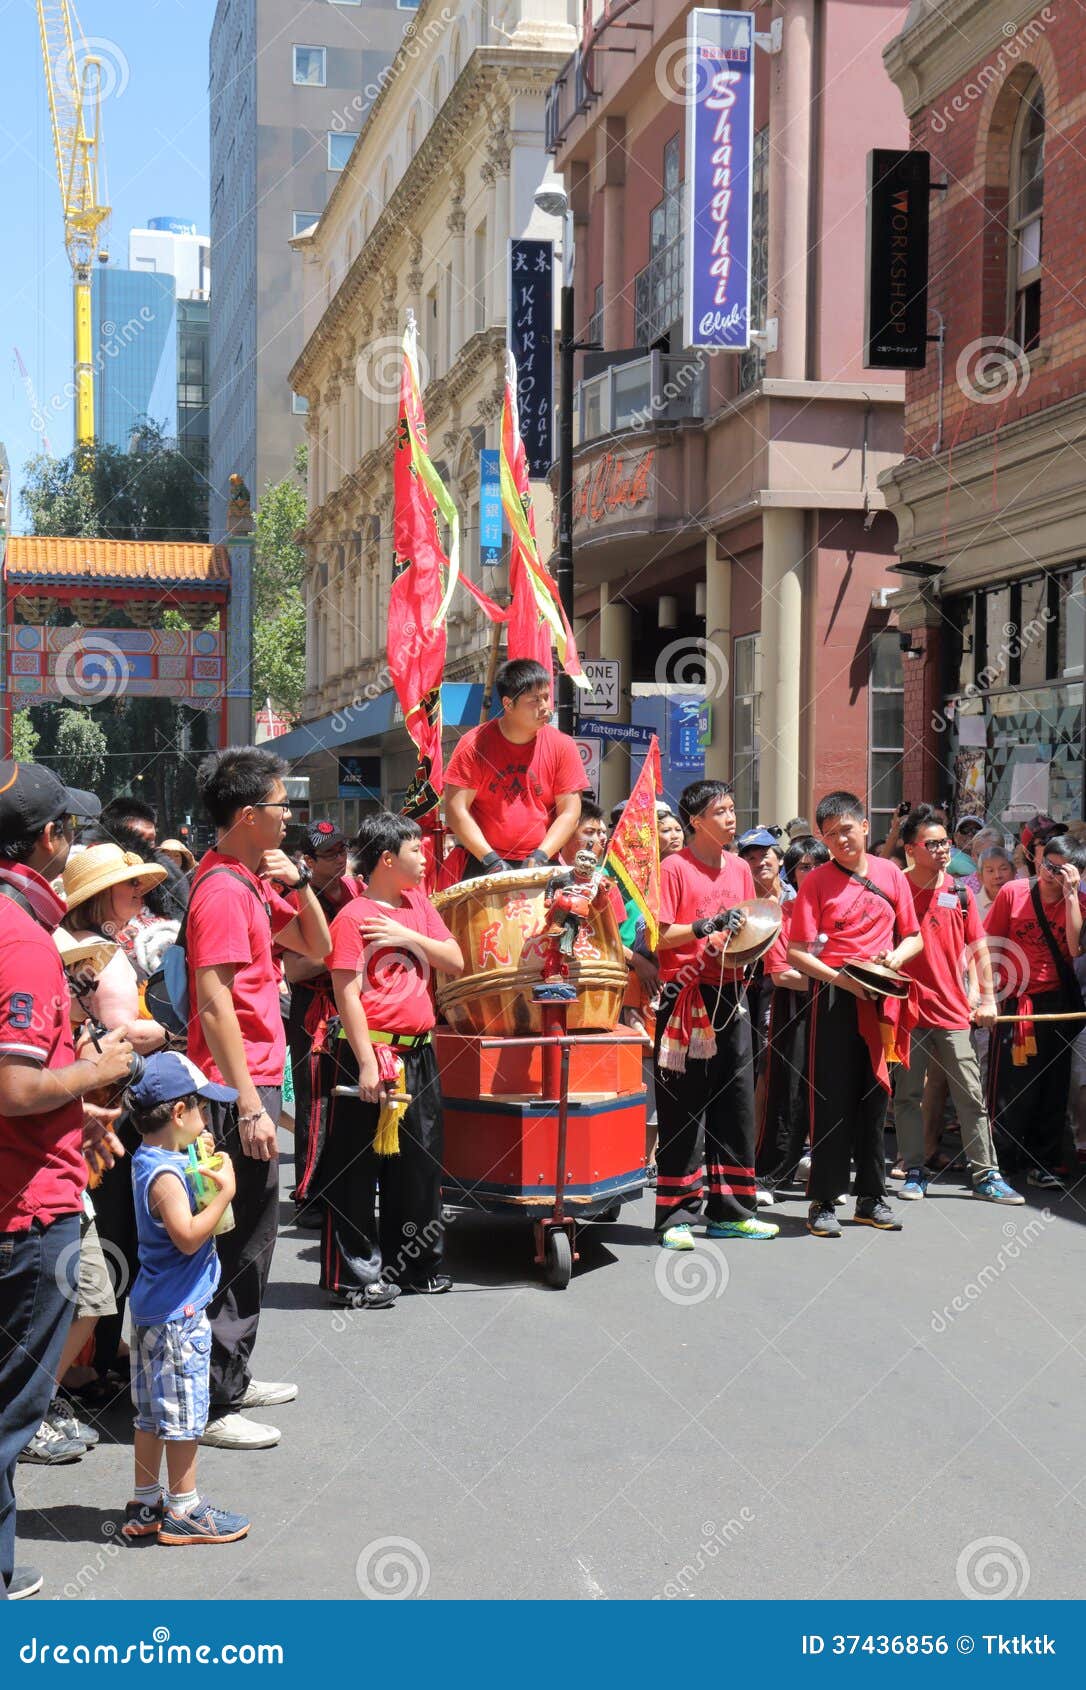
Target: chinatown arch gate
(93,660)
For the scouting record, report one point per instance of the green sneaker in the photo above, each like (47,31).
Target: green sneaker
(742,1229)
(677,1237)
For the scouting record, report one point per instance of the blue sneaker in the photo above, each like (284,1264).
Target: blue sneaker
(203,1524)
(993,1188)
(758,1230)
(916,1183)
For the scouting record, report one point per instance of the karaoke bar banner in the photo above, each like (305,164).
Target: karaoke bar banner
(719,84)
(531,341)
(93,665)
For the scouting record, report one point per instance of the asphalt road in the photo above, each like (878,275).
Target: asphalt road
(795,1419)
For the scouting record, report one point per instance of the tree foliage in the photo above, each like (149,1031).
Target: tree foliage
(150,492)
(279,592)
(25,737)
(81,749)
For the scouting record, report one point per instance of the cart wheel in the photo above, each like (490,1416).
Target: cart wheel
(558,1264)
(613,1213)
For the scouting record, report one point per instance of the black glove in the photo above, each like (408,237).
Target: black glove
(539,857)
(726,921)
(492,863)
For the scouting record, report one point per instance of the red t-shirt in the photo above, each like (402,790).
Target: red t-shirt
(227,924)
(396,983)
(855,922)
(776,958)
(1017,944)
(690,890)
(42,1171)
(939,971)
(515,786)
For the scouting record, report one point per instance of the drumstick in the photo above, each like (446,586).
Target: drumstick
(1068,1015)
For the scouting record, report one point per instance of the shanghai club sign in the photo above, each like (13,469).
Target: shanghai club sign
(719,85)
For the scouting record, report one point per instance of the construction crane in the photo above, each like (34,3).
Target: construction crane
(73,80)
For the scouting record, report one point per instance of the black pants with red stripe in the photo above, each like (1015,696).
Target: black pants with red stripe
(846,1104)
(782,1129)
(722,1091)
(403,1243)
(1028,1105)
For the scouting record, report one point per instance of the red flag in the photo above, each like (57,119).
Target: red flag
(633,856)
(416,625)
(536,617)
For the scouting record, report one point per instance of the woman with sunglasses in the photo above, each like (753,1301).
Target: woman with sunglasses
(1035,930)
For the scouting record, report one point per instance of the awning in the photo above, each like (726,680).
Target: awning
(370,718)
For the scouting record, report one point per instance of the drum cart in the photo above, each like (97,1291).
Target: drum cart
(556,1159)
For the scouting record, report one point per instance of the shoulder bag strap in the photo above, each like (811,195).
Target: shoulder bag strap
(1068,981)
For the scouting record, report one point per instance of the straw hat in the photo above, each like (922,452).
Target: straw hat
(179,849)
(93,954)
(101,866)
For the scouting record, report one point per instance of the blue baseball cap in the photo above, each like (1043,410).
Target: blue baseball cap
(168,1076)
(757,839)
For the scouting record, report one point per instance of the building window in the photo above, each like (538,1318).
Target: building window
(302,220)
(752,363)
(595,322)
(299,404)
(886,703)
(479,279)
(1027,217)
(746,710)
(310,69)
(658,288)
(340,148)
(407,5)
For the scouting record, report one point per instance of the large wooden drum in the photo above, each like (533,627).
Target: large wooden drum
(498,922)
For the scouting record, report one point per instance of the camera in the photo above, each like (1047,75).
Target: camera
(110,1097)
(904,807)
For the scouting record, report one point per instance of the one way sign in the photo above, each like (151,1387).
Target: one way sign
(605,674)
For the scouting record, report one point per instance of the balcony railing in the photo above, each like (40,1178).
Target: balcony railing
(662,387)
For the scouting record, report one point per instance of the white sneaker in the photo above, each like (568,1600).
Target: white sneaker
(233,1431)
(764,1198)
(263,1393)
(803,1169)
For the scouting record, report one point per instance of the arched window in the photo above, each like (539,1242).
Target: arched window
(1026,217)
(458,53)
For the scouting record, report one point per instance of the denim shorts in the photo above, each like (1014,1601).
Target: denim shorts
(170,1368)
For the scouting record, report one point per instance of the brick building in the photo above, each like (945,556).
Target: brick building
(990,498)
(725,503)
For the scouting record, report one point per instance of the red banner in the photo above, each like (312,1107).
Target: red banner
(633,856)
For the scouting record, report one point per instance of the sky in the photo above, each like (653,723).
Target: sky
(155,131)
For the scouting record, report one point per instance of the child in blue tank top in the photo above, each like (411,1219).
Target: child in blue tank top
(178,1276)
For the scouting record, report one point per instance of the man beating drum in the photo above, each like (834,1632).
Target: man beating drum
(513,785)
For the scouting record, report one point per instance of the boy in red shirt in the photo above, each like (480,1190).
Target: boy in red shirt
(704,1062)
(953,934)
(513,785)
(386,945)
(1035,931)
(854,907)
(236,1038)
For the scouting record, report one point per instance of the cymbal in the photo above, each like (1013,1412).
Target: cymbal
(762,925)
(887,982)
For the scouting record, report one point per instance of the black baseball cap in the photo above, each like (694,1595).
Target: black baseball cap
(31,796)
(321,837)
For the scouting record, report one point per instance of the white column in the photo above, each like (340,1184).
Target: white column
(616,640)
(792,138)
(783,545)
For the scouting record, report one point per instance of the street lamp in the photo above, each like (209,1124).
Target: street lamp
(551,198)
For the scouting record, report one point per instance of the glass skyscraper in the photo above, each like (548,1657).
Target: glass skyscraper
(134,315)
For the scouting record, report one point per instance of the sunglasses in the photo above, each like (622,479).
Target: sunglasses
(935,845)
(333,851)
(1052,866)
(281,804)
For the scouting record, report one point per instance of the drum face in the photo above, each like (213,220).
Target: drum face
(498,922)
